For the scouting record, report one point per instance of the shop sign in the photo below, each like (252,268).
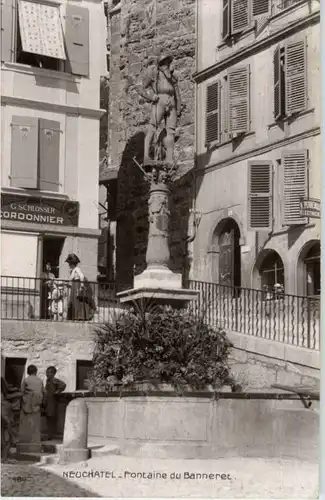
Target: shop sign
(310,208)
(32,209)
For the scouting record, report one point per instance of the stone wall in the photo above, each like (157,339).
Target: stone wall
(139,32)
(256,363)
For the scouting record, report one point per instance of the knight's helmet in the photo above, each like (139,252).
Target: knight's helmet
(164,58)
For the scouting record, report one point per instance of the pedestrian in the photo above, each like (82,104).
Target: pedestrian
(47,280)
(53,387)
(81,303)
(32,400)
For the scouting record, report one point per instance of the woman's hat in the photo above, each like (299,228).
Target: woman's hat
(72,259)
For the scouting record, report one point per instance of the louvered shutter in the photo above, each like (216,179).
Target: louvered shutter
(240,16)
(226,19)
(212,133)
(295,77)
(277,91)
(260,195)
(7,13)
(77,39)
(24,152)
(49,154)
(295,185)
(238,100)
(260,7)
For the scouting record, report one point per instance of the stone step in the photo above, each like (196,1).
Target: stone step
(103,451)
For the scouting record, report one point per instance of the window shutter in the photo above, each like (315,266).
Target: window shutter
(238,100)
(260,7)
(226,19)
(260,195)
(295,165)
(7,33)
(277,91)
(24,152)
(77,40)
(240,16)
(295,77)
(212,132)
(49,154)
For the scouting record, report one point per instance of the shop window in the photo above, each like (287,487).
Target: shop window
(272,271)
(83,368)
(312,267)
(14,371)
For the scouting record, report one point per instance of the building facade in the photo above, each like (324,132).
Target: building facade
(258,144)
(52,57)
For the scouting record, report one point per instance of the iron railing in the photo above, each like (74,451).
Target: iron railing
(270,315)
(42,299)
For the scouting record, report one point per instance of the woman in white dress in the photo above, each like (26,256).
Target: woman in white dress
(80,305)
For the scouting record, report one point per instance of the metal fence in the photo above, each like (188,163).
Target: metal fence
(275,316)
(270,315)
(43,299)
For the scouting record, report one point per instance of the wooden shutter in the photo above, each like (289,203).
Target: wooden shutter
(77,40)
(212,132)
(260,7)
(260,195)
(7,29)
(238,100)
(295,165)
(240,16)
(226,19)
(277,90)
(24,152)
(295,77)
(49,154)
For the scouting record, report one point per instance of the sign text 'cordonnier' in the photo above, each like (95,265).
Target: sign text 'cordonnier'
(39,210)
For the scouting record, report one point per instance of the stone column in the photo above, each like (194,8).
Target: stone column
(158,254)
(74,448)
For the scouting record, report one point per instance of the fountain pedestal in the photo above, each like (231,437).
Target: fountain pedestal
(158,283)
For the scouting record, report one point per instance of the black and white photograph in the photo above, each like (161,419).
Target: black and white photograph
(161,185)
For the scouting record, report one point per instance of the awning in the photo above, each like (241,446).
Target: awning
(41,30)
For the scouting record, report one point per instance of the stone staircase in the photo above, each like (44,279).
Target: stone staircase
(50,452)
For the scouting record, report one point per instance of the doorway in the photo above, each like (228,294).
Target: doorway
(229,267)
(52,249)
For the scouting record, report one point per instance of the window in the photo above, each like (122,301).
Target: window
(295,186)
(290,80)
(32,34)
(35,153)
(14,371)
(83,369)
(240,15)
(312,266)
(260,212)
(228,106)
(271,271)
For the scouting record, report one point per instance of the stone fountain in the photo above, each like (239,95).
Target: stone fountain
(159,168)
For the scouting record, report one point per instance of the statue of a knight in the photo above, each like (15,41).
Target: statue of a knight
(161,89)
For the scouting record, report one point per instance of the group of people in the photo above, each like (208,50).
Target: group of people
(20,406)
(72,300)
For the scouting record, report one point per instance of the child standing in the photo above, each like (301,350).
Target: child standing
(53,387)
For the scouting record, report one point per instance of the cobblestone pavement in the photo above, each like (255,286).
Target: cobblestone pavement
(242,478)
(28,480)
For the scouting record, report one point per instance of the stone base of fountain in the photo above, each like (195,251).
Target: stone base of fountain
(160,286)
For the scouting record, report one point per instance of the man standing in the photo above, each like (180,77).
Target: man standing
(53,387)
(161,89)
